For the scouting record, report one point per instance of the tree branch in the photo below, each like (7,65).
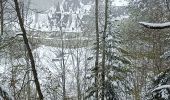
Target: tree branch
(155,25)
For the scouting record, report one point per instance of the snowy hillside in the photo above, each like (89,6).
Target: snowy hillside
(67,14)
(49,61)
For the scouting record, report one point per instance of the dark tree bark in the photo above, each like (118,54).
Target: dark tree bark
(2,16)
(104,49)
(78,75)
(63,65)
(37,84)
(97,50)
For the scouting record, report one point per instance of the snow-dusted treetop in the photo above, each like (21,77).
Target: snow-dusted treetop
(161,87)
(155,25)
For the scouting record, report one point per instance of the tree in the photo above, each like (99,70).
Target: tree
(117,62)
(2,14)
(146,46)
(104,47)
(160,91)
(97,51)
(28,49)
(63,63)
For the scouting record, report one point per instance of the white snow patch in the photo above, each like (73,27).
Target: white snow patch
(120,3)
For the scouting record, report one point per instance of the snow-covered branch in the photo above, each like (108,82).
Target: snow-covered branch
(161,87)
(155,25)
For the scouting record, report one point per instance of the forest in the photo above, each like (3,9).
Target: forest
(84,49)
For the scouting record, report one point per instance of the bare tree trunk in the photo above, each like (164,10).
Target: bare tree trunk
(2,15)
(85,76)
(13,79)
(28,76)
(63,64)
(97,51)
(29,50)
(104,49)
(28,90)
(78,76)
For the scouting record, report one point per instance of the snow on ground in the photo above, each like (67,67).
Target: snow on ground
(120,3)
(119,18)
(51,58)
(48,62)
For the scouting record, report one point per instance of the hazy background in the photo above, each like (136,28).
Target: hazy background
(46,4)
(42,4)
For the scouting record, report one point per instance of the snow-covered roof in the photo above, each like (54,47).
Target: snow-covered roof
(155,25)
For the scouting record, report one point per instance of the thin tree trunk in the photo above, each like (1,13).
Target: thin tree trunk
(37,84)
(78,76)
(2,15)
(27,59)
(97,50)
(13,80)
(28,77)
(104,49)
(63,64)
(85,76)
